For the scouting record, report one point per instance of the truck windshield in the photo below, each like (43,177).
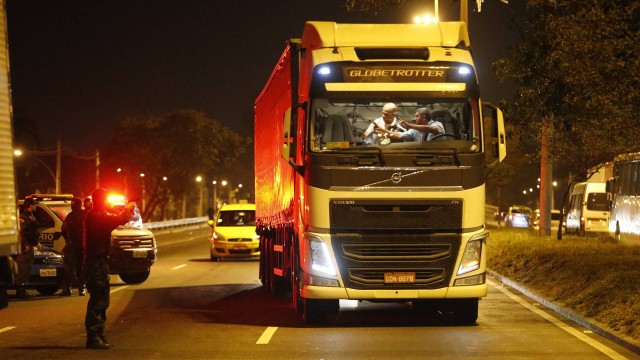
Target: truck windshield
(351,124)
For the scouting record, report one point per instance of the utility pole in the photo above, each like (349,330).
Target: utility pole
(58,166)
(98,169)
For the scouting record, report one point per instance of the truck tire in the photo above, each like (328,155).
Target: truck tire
(47,289)
(317,311)
(135,277)
(460,311)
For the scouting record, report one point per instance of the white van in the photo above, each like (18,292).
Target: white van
(589,209)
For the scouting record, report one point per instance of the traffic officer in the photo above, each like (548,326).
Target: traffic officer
(72,228)
(28,241)
(98,225)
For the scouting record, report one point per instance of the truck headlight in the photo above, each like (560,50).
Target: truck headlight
(320,259)
(472,254)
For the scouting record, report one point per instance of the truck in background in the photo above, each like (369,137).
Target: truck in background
(8,202)
(341,217)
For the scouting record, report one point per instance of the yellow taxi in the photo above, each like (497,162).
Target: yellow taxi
(234,232)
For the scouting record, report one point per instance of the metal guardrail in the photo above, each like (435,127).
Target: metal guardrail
(158,225)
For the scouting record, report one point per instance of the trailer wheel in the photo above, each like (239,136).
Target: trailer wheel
(317,311)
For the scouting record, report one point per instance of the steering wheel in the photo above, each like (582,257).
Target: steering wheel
(456,137)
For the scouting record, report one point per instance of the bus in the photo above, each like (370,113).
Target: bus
(589,209)
(623,190)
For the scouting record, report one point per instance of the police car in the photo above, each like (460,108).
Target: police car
(133,247)
(47,273)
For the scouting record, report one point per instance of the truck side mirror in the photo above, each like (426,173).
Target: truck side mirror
(495,138)
(287,139)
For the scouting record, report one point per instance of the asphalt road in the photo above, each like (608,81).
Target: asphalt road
(191,308)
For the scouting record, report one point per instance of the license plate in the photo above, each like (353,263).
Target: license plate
(47,272)
(140,254)
(239,247)
(399,278)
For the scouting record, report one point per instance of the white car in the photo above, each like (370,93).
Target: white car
(518,216)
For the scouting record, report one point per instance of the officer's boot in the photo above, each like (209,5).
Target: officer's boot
(95,342)
(104,339)
(66,291)
(21,293)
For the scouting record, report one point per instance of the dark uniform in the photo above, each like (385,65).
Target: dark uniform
(72,228)
(28,241)
(98,226)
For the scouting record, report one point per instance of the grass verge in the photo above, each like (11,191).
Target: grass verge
(594,277)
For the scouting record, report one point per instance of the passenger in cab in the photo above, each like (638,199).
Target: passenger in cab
(388,122)
(424,127)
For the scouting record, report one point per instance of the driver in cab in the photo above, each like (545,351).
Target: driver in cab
(424,128)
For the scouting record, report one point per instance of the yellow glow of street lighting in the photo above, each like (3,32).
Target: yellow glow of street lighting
(240,186)
(141,174)
(224,183)
(17,152)
(164,178)
(524,192)
(555,183)
(119,170)
(214,182)
(198,178)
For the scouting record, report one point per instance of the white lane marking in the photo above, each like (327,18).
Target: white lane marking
(266,335)
(179,267)
(7,328)
(596,344)
(118,289)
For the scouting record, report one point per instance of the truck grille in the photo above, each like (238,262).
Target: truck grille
(133,242)
(374,237)
(364,259)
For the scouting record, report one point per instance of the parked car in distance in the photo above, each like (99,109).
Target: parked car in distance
(556,219)
(233,232)
(519,216)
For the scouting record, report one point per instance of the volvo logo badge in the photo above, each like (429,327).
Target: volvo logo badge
(396,177)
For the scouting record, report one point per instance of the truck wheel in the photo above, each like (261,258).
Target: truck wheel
(135,277)
(47,289)
(460,311)
(317,311)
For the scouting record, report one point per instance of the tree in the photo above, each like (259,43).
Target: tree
(577,71)
(577,67)
(177,146)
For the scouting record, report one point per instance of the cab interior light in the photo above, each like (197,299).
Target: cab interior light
(324,70)
(464,70)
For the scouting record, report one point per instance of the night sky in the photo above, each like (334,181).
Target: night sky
(79,67)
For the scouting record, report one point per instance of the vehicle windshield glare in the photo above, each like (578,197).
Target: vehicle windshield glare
(341,124)
(237,218)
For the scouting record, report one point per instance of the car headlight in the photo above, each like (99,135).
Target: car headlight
(320,259)
(472,254)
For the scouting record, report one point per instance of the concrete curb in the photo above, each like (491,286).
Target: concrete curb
(565,313)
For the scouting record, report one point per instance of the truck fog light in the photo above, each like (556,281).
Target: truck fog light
(320,281)
(471,280)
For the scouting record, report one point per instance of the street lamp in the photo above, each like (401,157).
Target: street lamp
(144,201)
(215,196)
(56,179)
(200,204)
